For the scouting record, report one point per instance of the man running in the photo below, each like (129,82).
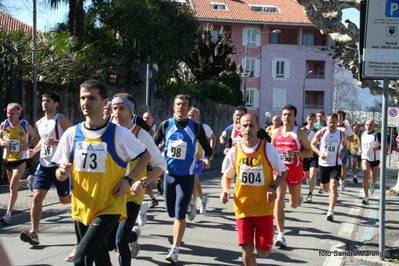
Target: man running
(50,127)
(97,152)
(355,152)
(275,124)
(292,144)
(371,156)
(253,161)
(180,135)
(332,148)
(194,114)
(349,135)
(311,164)
(16,136)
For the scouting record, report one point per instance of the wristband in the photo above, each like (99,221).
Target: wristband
(129,180)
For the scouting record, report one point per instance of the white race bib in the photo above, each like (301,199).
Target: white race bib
(47,151)
(252,176)
(177,149)
(285,158)
(13,145)
(90,156)
(330,148)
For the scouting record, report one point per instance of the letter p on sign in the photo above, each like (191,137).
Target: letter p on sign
(392,8)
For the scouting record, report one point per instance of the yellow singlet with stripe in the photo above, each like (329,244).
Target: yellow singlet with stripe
(15,137)
(96,170)
(254,178)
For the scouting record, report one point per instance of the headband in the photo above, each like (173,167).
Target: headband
(14,110)
(125,101)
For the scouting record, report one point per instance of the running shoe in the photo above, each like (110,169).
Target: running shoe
(173,255)
(355,180)
(30,237)
(280,241)
(330,216)
(134,246)
(30,180)
(191,215)
(309,198)
(142,219)
(154,203)
(371,188)
(71,255)
(366,201)
(6,220)
(204,202)
(342,185)
(321,191)
(160,186)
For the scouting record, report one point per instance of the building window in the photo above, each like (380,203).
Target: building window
(279,98)
(281,68)
(251,97)
(251,67)
(264,9)
(314,99)
(218,6)
(274,37)
(215,35)
(320,72)
(252,41)
(308,39)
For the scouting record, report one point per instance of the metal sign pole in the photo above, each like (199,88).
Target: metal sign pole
(383,168)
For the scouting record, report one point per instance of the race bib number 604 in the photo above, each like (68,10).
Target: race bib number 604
(90,156)
(251,176)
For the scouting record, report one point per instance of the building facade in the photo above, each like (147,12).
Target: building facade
(281,52)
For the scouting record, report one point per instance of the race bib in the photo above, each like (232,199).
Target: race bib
(13,145)
(330,147)
(356,148)
(47,150)
(285,158)
(252,176)
(90,156)
(177,149)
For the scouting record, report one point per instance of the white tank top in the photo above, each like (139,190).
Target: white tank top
(330,144)
(49,128)
(368,141)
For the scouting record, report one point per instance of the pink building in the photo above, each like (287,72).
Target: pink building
(284,53)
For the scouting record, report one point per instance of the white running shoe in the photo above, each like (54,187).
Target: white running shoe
(30,237)
(342,185)
(309,198)
(204,202)
(366,201)
(193,213)
(6,220)
(280,241)
(173,255)
(30,180)
(134,246)
(71,256)
(321,191)
(142,219)
(371,188)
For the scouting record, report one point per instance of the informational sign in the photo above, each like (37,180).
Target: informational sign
(393,117)
(381,40)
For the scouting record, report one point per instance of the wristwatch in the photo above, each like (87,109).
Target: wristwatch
(274,187)
(129,180)
(295,154)
(143,183)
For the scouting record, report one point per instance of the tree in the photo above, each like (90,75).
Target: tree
(327,16)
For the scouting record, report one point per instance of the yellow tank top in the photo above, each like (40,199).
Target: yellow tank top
(254,177)
(138,199)
(354,146)
(16,137)
(96,170)
(270,133)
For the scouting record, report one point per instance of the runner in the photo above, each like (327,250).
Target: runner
(16,136)
(332,148)
(50,127)
(97,152)
(292,144)
(371,156)
(275,124)
(253,160)
(349,135)
(180,135)
(355,152)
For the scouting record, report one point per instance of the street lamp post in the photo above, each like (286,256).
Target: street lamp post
(303,96)
(245,58)
(268,115)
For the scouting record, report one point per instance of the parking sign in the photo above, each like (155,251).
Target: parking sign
(393,117)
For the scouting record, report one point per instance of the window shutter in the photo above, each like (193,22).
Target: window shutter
(257,68)
(287,69)
(243,66)
(258,37)
(256,99)
(279,98)
(274,62)
(244,36)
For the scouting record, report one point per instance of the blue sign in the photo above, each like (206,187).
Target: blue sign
(392,8)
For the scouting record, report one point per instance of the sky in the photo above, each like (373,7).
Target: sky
(47,18)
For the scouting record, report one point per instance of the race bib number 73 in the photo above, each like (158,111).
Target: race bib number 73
(90,156)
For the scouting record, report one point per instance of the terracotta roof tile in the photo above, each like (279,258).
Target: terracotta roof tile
(9,24)
(239,10)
